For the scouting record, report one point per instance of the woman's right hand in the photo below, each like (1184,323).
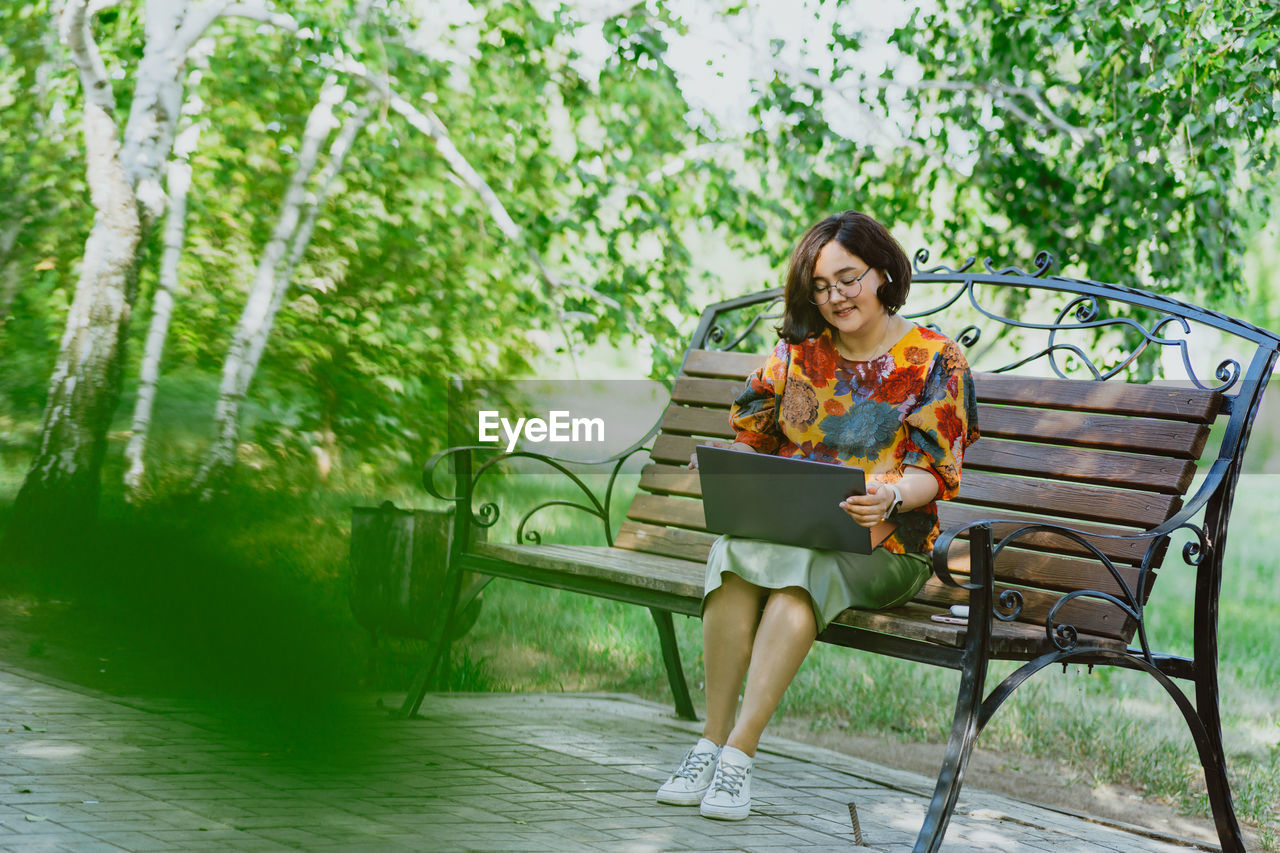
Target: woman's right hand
(715,442)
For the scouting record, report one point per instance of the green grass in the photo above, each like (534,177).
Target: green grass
(1114,726)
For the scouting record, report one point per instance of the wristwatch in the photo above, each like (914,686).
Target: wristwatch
(897,501)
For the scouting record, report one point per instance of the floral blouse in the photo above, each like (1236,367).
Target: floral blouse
(914,405)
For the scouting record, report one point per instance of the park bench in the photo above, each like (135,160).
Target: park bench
(1069,501)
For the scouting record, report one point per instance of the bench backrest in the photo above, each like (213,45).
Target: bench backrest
(1096,448)
(1104,457)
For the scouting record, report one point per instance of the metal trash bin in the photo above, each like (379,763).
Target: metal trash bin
(399,561)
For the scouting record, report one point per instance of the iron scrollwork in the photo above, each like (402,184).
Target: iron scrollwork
(487,514)
(1065,636)
(768,311)
(922,257)
(1083,313)
(1008,606)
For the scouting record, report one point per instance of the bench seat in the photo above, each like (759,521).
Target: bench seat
(674,584)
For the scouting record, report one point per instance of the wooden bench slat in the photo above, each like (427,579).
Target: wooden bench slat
(1087,615)
(733,365)
(1009,640)
(1051,571)
(1083,429)
(1139,509)
(674,449)
(687,513)
(1122,398)
(671,480)
(660,509)
(689,420)
(1142,510)
(685,578)
(696,391)
(1082,465)
(1015,566)
(1149,436)
(717,377)
(646,538)
(648,571)
(951,514)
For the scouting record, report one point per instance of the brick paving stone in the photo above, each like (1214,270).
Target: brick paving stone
(40,844)
(559,773)
(134,841)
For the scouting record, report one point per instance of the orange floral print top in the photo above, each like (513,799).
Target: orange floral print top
(914,405)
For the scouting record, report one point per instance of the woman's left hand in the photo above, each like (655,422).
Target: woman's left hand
(869,510)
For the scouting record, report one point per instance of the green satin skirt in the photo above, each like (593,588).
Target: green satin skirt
(834,579)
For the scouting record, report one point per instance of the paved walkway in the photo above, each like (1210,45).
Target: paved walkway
(81,771)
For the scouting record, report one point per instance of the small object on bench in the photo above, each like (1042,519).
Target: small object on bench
(1066,508)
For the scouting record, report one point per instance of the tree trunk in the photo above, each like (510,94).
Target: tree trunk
(60,492)
(61,489)
(161,312)
(288,242)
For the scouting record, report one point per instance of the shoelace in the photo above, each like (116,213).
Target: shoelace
(729,778)
(693,764)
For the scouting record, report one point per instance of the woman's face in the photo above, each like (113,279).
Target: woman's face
(846,290)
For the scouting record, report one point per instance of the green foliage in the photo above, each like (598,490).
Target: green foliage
(40,196)
(1130,139)
(586,135)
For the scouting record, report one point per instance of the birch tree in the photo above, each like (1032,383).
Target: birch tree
(86,378)
(289,240)
(124,173)
(178,185)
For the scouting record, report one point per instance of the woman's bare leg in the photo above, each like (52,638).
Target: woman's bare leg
(784,636)
(728,630)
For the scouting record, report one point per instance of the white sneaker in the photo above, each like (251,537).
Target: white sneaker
(692,778)
(729,796)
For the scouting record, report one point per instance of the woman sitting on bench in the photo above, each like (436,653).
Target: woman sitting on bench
(853,383)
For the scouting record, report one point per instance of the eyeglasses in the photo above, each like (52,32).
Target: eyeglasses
(849,289)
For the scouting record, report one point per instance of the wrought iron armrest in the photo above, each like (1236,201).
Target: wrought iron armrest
(1213,481)
(466,482)
(1130,601)
(1009,604)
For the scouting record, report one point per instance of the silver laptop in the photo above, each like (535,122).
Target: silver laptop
(778,499)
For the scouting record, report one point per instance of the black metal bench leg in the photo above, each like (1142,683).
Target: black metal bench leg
(439,645)
(1212,758)
(964,730)
(422,681)
(671,657)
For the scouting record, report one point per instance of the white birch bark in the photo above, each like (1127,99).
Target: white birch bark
(172,29)
(266,294)
(178,184)
(302,239)
(62,485)
(64,477)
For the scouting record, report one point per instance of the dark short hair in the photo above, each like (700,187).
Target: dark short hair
(860,235)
